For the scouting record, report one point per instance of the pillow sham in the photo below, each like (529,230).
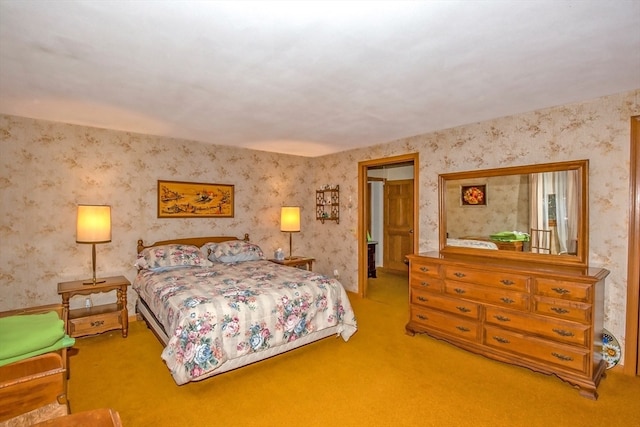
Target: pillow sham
(171,255)
(233,251)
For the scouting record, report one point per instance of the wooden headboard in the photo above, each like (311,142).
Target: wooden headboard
(196,241)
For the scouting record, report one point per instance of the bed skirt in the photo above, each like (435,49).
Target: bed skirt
(157,328)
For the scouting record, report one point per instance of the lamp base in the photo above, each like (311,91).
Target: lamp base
(93,282)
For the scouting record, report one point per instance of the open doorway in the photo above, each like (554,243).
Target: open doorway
(396,227)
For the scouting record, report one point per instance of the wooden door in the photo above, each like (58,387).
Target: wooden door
(398,224)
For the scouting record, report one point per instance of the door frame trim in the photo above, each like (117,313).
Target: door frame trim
(631,352)
(363,202)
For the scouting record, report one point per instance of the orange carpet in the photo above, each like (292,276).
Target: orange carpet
(381,377)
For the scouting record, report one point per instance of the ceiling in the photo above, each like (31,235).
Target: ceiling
(308,78)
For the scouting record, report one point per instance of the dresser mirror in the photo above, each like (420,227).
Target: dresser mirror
(533,213)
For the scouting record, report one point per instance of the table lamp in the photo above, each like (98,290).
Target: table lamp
(93,226)
(290,222)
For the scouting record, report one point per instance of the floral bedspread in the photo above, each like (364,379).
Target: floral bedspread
(215,314)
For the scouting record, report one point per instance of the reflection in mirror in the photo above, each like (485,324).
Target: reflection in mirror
(537,210)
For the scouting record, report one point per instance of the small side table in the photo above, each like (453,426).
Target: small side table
(304,263)
(100,318)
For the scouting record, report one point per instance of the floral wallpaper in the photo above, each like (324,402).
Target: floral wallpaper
(598,130)
(47,168)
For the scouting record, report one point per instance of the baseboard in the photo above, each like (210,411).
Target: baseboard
(390,271)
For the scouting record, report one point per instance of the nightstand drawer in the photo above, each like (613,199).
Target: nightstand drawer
(95,324)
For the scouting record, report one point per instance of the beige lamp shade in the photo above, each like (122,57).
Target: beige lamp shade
(290,218)
(290,222)
(93,224)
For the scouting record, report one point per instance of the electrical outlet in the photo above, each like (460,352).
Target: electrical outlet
(335,273)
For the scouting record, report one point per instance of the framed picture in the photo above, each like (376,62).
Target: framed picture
(194,200)
(473,195)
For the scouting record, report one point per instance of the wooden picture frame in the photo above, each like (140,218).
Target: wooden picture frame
(473,195)
(178,199)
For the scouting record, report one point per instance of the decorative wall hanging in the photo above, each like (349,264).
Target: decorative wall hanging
(473,195)
(194,200)
(328,203)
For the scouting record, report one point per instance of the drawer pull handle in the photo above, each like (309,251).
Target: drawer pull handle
(424,284)
(507,300)
(422,317)
(563,333)
(561,291)
(507,282)
(463,309)
(459,275)
(424,269)
(422,299)
(559,310)
(502,340)
(502,318)
(562,357)
(459,291)
(462,329)
(97,323)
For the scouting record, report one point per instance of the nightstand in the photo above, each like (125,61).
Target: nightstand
(100,318)
(298,262)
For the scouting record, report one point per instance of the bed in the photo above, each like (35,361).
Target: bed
(217,304)
(472,243)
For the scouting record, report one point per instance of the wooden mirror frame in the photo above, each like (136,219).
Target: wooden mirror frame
(580,259)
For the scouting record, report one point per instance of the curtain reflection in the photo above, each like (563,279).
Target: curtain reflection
(554,207)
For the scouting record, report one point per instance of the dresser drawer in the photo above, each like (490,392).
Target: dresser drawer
(496,279)
(424,268)
(574,358)
(455,306)
(453,325)
(95,324)
(487,294)
(426,283)
(574,291)
(577,311)
(566,332)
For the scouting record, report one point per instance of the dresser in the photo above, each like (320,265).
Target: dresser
(542,317)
